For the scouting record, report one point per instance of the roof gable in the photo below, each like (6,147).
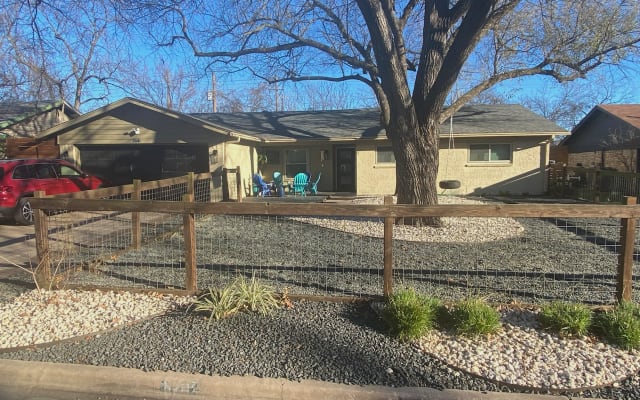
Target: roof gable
(629,113)
(12,113)
(131,107)
(606,126)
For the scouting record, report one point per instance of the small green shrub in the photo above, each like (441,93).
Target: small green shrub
(620,326)
(410,315)
(256,297)
(241,295)
(473,317)
(218,304)
(565,319)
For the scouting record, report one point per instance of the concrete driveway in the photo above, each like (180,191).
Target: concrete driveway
(17,246)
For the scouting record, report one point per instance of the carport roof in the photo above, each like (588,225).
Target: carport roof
(470,120)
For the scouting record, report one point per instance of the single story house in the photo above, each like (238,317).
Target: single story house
(21,122)
(488,148)
(607,137)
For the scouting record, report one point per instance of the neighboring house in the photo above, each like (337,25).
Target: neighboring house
(489,149)
(21,122)
(607,137)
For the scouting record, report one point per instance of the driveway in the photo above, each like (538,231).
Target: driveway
(17,246)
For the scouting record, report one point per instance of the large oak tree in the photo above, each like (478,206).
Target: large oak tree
(410,53)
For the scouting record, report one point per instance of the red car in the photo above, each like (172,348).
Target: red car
(20,178)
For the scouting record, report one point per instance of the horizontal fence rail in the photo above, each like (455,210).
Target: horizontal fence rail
(506,252)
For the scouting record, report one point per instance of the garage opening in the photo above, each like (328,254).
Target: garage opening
(122,164)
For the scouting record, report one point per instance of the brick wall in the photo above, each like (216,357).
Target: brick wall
(620,160)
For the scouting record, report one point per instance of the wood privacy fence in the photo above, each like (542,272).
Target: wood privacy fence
(597,185)
(627,213)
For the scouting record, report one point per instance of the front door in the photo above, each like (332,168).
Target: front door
(346,170)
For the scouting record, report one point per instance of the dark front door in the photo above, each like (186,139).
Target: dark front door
(346,170)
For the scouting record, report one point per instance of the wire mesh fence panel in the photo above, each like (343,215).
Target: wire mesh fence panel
(293,254)
(205,190)
(509,260)
(167,193)
(112,261)
(502,259)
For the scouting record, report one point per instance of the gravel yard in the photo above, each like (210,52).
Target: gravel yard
(506,260)
(524,260)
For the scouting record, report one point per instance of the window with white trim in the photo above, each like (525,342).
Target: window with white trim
(296,161)
(384,155)
(490,153)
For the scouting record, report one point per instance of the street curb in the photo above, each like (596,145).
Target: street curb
(22,380)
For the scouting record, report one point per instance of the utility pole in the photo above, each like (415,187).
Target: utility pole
(276,89)
(214,95)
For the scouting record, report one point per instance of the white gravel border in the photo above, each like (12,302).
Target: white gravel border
(453,230)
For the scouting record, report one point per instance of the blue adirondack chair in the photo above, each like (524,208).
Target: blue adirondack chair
(262,187)
(313,186)
(300,182)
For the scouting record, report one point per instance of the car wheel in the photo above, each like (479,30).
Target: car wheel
(24,212)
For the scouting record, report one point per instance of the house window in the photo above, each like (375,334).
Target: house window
(490,153)
(296,162)
(273,157)
(384,155)
(213,157)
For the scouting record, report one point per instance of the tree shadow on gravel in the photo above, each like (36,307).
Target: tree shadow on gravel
(590,236)
(510,292)
(363,315)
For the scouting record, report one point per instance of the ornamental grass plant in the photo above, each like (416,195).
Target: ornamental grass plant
(472,318)
(620,326)
(566,319)
(410,315)
(241,295)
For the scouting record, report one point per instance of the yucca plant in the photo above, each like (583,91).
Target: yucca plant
(473,317)
(410,315)
(621,326)
(255,296)
(566,319)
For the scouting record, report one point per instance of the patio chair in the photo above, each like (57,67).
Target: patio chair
(263,188)
(313,186)
(277,182)
(300,182)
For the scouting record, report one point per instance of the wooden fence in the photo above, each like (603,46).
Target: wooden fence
(597,185)
(628,213)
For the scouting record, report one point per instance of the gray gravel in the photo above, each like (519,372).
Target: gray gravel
(334,342)
(573,260)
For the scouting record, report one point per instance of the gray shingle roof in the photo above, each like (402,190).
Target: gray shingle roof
(365,123)
(16,111)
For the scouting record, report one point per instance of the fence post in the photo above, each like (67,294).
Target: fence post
(191,184)
(136,229)
(225,184)
(41,225)
(189,233)
(598,182)
(625,258)
(564,180)
(238,184)
(388,251)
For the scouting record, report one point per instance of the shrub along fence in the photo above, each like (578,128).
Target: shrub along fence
(504,252)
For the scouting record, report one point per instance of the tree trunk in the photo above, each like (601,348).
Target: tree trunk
(416,146)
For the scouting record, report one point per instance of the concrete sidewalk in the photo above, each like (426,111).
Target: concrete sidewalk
(22,380)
